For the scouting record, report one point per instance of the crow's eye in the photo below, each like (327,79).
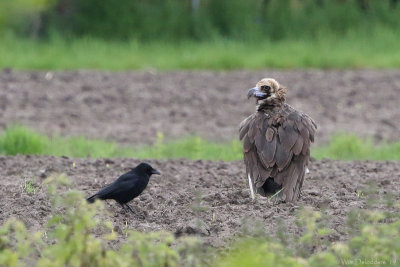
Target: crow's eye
(266,87)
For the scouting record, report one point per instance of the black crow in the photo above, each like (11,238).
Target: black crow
(276,143)
(127,186)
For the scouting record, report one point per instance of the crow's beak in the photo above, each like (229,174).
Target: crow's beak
(154,171)
(256,93)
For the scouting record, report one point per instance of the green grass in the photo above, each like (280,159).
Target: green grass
(21,140)
(190,148)
(351,147)
(350,51)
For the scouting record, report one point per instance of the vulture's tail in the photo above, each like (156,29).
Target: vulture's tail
(92,198)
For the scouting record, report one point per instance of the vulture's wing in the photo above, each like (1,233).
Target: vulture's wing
(277,147)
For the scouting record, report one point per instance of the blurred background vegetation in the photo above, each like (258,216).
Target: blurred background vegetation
(176,20)
(315,33)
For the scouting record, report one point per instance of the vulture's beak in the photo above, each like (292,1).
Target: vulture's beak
(154,171)
(256,93)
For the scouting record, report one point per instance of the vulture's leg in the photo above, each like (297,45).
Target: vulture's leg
(251,187)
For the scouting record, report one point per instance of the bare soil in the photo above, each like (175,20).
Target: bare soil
(203,198)
(132,107)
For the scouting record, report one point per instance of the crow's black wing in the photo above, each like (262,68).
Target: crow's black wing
(121,186)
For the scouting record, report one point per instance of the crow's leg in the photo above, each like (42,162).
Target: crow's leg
(140,215)
(122,205)
(129,207)
(251,187)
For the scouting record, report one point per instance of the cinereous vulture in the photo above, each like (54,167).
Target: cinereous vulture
(276,143)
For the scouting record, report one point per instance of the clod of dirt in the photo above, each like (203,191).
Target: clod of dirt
(194,227)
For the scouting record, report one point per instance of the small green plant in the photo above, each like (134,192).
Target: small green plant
(274,196)
(375,241)
(259,252)
(314,231)
(29,187)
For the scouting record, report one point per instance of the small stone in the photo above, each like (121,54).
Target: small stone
(42,173)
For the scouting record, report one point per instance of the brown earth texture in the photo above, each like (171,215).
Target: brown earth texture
(202,198)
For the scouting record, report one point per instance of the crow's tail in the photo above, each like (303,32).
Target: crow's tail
(92,198)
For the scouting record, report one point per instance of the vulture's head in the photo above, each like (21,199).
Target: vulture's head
(268,92)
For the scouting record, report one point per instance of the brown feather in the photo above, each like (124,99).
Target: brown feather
(282,157)
(247,144)
(298,147)
(303,131)
(306,146)
(252,131)
(259,120)
(287,135)
(310,125)
(297,175)
(279,177)
(259,140)
(291,179)
(269,135)
(274,171)
(254,163)
(268,152)
(264,174)
(300,126)
(243,130)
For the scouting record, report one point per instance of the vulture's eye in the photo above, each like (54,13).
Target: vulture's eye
(266,87)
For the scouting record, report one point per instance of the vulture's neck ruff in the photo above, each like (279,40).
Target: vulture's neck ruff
(274,100)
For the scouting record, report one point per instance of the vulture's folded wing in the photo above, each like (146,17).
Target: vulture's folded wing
(277,147)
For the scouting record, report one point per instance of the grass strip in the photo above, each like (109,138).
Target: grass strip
(22,140)
(351,51)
